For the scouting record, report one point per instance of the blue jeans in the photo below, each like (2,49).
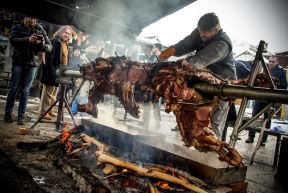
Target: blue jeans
(21,80)
(258,106)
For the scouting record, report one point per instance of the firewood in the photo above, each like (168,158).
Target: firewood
(88,139)
(77,151)
(109,168)
(180,173)
(22,131)
(26,131)
(152,188)
(104,157)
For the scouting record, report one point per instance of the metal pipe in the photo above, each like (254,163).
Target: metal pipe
(251,80)
(72,73)
(238,123)
(236,91)
(255,117)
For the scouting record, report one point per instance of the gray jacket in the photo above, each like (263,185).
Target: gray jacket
(214,54)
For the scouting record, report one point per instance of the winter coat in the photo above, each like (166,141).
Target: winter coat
(25,53)
(280,73)
(224,66)
(48,70)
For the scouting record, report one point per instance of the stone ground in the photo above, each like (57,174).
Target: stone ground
(260,175)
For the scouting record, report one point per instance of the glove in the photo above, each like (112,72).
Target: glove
(165,54)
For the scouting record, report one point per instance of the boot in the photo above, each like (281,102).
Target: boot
(250,140)
(8,117)
(21,120)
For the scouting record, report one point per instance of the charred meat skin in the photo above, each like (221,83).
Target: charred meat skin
(133,82)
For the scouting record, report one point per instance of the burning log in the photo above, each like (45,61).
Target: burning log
(151,172)
(88,139)
(181,174)
(152,188)
(132,82)
(104,157)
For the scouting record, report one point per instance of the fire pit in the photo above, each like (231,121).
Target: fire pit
(104,159)
(149,149)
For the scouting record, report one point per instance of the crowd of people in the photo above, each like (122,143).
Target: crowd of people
(211,45)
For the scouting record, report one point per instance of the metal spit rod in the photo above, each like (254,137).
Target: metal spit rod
(252,93)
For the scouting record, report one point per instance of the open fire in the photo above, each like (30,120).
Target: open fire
(124,175)
(66,134)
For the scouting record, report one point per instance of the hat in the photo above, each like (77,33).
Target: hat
(77,47)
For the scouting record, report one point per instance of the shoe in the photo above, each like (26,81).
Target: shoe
(262,143)
(21,120)
(176,128)
(249,140)
(52,114)
(47,117)
(8,117)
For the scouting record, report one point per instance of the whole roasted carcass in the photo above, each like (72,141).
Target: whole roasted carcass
(133,82)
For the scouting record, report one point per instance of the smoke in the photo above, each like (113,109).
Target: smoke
(118,22)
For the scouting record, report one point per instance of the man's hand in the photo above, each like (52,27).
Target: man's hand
(165,54)
(40,39)
(32,39)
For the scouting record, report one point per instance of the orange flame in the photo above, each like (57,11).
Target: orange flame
(163,185)
(65,139)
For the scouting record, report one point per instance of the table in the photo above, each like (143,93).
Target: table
(278,142)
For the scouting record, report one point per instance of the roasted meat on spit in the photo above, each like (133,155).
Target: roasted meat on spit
(132,82)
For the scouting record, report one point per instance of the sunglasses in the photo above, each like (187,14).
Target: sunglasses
(272,61)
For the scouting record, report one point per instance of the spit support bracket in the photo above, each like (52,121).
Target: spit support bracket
(238,127)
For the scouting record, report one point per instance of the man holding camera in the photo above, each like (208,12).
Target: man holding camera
(30,42)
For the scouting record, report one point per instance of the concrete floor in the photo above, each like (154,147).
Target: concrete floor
(260,176)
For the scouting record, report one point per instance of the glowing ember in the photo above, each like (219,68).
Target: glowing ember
(168,169)
(124,170)
(130,183)
(163,185)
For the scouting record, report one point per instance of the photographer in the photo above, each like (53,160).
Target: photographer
(30,42)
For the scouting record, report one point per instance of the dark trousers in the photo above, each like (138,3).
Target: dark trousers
(258,106)
(21,78)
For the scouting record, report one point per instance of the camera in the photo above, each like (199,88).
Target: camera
(39,37)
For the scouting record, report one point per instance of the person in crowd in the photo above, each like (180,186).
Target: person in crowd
(58,55)
(75,62)
(30,43)
(276,71)
(213,52)
(154,52)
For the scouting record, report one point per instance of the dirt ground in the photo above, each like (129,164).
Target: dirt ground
(260,176)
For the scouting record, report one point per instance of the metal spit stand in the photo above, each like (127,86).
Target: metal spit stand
(270,95)
(64,78)
(238,127)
